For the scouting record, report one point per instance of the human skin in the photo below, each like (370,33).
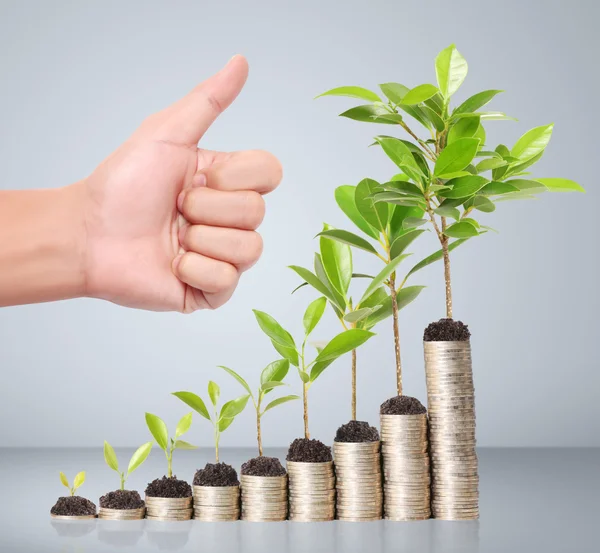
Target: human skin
(160,224)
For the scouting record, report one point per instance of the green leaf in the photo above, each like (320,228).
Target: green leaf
(180,444)
(224,424)
(476,101)
(337,262)
(413,222)
(456,156)
(489,164)
(382,276)
(463,128)
(273,329)
(401,214)
(419,94)
(234,407)
(401,155)
(213,392)
(451,70)
(314,281)
(462,229)
(436,103)
(352,92)
(346,237)
(343,343)
(370,114)
(533,142)
(140,455)
(435,257)
(403,241)
(313,314)
(275,371)
(304,376)
(495,188)
(279,401)
(360,314)
(561,185)
(448,211)
(267,386)
(110,457)
(463,187)
(79,480)
(435,119)
(517,169)
(395,92)
(529,186)
(344,196)
(193,401)
(338,301)
(158,429)
(185,422)
(481,203)
(404,296)
(375,214)
(237,377)
(402,187)
(64,480)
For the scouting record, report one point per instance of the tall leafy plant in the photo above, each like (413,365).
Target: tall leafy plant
(450,176)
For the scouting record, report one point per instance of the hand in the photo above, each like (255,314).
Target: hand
(169,226)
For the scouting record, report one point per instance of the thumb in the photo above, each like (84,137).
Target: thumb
(189,118)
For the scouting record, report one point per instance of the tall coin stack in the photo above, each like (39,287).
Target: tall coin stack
(169,508)
(358,480)
(264,498)
(405,455)
(216,503)
(312,491)
(451,398)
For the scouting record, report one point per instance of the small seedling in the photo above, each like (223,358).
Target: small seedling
(221,420)
(159,432)
(77,483)
(136,460)
(271,377)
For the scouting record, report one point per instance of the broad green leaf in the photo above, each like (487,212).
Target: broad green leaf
(462,229)
(79,479)
(237,377)
(344,196)
(213,392)
(561,185)
(395,92)
(180,444)
(403,241)
(185,422)
(275,371)
(532,143)
(436,103)
(502,150)
(529,186)
(401,214)
(476,101)
(360,314)
(488,153)
(346,237)
(273,329)
(376,298)
(399,199)
(413,222)
(370,114)
(64,480)
(352,92)
(456,156)
(495,188)
(448,211)
(233,407)
(304,376)
(480,134)
(279,401)
(419,94)
(401,155)
(338,301)
(481,203)
(417,113)
(435,257)
(375,214)
(343,343)
(140,455)
(158,429)
(224,424)
(517,169)
(110,457)
(435,119)
(313,314)
(463,187)
(314,281)
(404,296)
(382,276)
(451,70)
(193,401)
(403,187)
(463,128)
(489,164)
(267,386)
(337,262)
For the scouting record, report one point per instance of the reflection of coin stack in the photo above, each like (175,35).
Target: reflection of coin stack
(451,398)
(121,514)
(405,467)
(216,503)
(312,491)
(264,498)
(358,480)
(169,508)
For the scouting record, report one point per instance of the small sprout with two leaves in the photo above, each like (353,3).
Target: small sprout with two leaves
(140,455)
(77,483)
(221,419)
(271,377)
(159,432)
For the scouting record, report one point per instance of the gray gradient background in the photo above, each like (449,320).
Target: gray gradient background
(78,77)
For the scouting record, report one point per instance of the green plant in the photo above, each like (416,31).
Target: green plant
(440,175)
(221,420)
(271,377)
(159,432)
(77,482)
(285,345)
(140,455)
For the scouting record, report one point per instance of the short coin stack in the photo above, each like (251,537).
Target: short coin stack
(169,508)
(264,498)
(358,480)
(312,491)
(216,503)
(405,467)
(451,399)
(121,514)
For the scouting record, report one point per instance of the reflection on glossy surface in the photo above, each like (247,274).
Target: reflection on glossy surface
(168,536)
(120,533)
(73,528)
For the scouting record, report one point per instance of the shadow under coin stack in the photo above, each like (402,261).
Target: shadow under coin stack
(264,498)
(216,503)
(312,491)
(169,508)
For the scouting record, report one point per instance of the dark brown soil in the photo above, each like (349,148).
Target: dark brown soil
(219,474)
(263,466)
(308,451)
(122,499)
(356,431)
(402,405)
(73,506)
(169,487)
(447,330)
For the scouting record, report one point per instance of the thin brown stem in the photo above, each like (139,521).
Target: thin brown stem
(426,149)
(447,278)
(258,430)
(353,384)
(392,285)
(305,401)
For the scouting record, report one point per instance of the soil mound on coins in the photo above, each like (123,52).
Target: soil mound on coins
(402,405)
(216,474)
(168,487)
(122,499)
(356,431)
(447,330)
(73,506)
(263,466)
(308,451)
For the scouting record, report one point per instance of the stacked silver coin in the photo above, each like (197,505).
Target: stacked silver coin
(358,480)
(451,399)
(216,503)
(404,449)
(72,517)
(264,498)
(312,491)
(169,508)
(121,514)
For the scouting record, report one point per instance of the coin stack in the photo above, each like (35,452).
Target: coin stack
(312,491)
(405,467)
(72,517)
(121,514)
(216,503)
(358,480)
(169,508)
(264,498)
(451,398)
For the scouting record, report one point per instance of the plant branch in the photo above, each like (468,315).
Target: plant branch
(392,286)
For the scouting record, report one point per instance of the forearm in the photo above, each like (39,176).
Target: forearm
(42,245)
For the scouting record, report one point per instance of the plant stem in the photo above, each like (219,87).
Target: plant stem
(170,463)
(353,384)
(305,401)
(447,271)
(392,285)
(258,432)
(122,481)
(217,437)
